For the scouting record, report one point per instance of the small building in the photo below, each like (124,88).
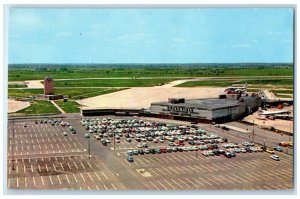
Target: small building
(48,91)
(48,86)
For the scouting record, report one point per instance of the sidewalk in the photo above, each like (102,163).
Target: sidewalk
(60,109)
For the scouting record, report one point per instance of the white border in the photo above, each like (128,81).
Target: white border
(137,3)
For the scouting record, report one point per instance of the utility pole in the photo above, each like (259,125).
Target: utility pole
(253,133)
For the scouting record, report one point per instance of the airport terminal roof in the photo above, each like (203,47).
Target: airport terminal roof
(204,103)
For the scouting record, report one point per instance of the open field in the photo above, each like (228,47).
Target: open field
(39,108)
(250,82)
(112,82)
(69,106)
(178,70)
(74,93)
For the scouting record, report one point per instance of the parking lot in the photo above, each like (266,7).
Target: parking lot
(42,157)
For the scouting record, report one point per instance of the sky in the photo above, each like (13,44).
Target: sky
(199,35)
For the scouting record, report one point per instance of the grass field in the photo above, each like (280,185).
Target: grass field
(24,93)
(18,74)
(111,82)
(78,93)
(17,86)
(283,91)
(40,108)
(225,83)
(69,106)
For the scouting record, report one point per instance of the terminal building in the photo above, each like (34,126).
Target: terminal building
(225,108)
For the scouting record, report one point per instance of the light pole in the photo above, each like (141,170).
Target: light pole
(196,153)
(253,133)
(114,139)
(88,136)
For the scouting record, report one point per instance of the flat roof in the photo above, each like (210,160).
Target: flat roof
(204,103)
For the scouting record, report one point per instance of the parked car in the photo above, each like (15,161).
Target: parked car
(278,148)
(270,151)
(275,157)
(135,152)
(129,153)
(129,158)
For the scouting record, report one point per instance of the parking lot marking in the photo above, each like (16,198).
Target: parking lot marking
(198,181)
(89,165)
(183,182)
(63,167)
(166,170)
(190,182)
(104,175)
(154,185)
(50,180)
(113,186)
(17,168)
(17,182)
(42,180)
(184,168)
(82,165)
(162,185)
(67,178)
(199,168)
(153,172)
(47,168)
(90,177)
(75,165)
(97,176)
(105,187)
(58,179)
(169,184)
(75,177)
(164,173)
(33,179)
(202,179)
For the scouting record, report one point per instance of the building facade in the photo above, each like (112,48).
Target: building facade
(219,110)
(48,86)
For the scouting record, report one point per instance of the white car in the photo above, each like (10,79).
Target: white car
(275,157)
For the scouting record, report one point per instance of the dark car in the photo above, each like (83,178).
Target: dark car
(278,149)
(152,151)
(191,142)
(216,152)
(157,151)
(248,150)
(225,128)
(227,155)
(141,152)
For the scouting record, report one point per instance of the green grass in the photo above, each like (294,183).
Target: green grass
(17,86)
(78,93)
(40,108)
(69,106)
(225,83)
(18,74)
(24,93)
(284,96)
(283,91)
(81,93)
(111,82)
(206,83)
